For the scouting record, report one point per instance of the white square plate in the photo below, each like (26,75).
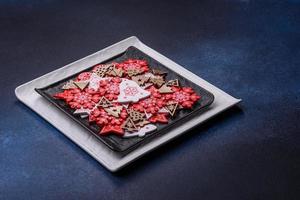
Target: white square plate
(108,158)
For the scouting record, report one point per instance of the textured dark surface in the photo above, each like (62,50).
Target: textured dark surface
(248,48)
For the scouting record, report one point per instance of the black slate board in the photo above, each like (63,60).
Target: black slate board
(125,145)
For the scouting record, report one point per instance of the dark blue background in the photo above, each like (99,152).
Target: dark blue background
(248,48)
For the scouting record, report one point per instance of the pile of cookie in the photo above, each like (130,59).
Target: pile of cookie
(127,98)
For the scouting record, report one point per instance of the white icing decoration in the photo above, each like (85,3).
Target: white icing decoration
(130,91)
(150,75)
(94,81)
(84,116)
(142,132)
(82,111)
(163,110)
(148,115)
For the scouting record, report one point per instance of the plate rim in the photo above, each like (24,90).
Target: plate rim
(132,41)
(192,113)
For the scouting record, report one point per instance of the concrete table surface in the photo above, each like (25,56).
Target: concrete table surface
(250,49)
